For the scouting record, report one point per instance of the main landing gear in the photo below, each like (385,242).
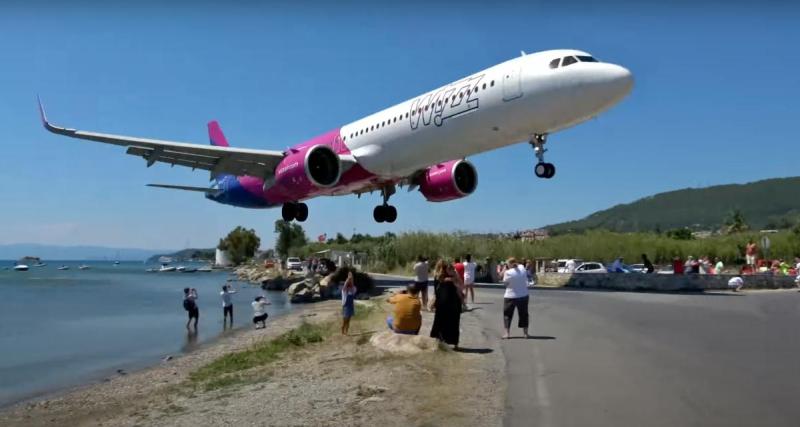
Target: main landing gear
(542,169)
(298,211)
(385,212)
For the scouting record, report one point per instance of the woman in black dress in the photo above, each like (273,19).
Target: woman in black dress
(446,321)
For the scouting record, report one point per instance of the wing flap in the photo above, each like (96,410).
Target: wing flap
(186,188)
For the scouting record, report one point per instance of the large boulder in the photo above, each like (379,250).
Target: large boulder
(301,296)
(296,288)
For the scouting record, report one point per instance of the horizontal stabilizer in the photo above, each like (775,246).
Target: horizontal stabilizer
(206,190)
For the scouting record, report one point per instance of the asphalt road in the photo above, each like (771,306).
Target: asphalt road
(649,359)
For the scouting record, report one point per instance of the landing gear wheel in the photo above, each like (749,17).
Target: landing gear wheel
(288,211)
(551,170)
(541,170)
(301,212)
(378,214)
(390,213)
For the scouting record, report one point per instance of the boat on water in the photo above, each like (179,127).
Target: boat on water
(20,267)
(41,264)
(180,269)
(152,270)
(84,267)
(116,262)
(188,270)
(63,267)
(166,269)
(205,269)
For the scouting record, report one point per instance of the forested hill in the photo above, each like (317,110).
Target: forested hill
(772,203)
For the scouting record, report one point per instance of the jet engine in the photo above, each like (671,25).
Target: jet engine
(317,166)
(448,181)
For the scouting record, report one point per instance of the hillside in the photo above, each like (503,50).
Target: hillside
(16,251)
(186,255)
(771,203)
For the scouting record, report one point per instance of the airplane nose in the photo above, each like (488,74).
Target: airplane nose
(620,79)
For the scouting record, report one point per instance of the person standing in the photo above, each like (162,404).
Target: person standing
(260,312)
(448,302)
(469,278)
(227,304)
(648,266)
(459,267)
(677,265)
(515,297)
(348,302)
(718,266)
(421,279)
(190,305)
(750,253)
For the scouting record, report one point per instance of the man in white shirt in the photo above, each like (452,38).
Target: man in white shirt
(571,266)
(421,279)
(516,296)
(469,278)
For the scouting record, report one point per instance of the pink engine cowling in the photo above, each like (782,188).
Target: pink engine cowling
(317,166)
(448,181)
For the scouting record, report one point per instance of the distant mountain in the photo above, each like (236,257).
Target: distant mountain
(53,252)
(186,255)
(772,203)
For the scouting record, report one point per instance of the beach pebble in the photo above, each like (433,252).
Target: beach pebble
(371,400)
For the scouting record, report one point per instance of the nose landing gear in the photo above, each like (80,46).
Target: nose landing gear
(385,212)
(297,211)
(542,169)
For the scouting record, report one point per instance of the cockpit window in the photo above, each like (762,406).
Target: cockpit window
(586,59)
(554,63)
(568,60)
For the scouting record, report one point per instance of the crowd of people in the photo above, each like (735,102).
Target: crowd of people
(193,311)
(453,285)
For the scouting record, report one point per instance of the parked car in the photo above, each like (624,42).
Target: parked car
(637,268)
(294,263)
(591,267)
(561,265)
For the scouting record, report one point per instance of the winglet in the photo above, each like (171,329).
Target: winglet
(47,125)
(215,134)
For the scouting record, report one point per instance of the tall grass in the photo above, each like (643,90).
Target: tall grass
(604,246)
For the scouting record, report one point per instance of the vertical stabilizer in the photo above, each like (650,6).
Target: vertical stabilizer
(215,134)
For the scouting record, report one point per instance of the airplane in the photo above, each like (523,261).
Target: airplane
(421,143)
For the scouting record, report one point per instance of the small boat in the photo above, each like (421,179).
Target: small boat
(152,270)
(20,267)
(204,269)
(41,264)
(83,267)
(165,269)
(181,269)
(63,267)
(116,262)
(188,270)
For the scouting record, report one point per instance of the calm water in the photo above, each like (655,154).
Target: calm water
(63,328)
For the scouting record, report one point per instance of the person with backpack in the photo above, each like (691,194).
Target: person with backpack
(190,305)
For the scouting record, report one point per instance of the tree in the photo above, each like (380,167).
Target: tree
(290,235)
(241,244)
(680,234)
(735,222)
(340,239)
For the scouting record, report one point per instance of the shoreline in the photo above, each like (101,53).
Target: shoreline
(239,337)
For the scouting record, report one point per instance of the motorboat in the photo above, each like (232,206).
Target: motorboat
(205,269)
(166,268)
(116,262)
(63,267)
(180,269)
(83,267)
(41,264)
(20,267)
(187,270)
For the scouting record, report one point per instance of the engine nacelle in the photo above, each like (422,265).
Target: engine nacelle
(317,166)
(448,181)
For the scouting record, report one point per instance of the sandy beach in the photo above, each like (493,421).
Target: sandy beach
(342,380)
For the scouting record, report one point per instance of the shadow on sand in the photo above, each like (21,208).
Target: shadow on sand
(473,350)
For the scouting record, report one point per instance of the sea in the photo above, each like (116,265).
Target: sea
(59,329)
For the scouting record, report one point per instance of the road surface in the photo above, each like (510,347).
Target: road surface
(652,359)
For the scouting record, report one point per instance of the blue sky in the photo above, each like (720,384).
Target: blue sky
(715,102)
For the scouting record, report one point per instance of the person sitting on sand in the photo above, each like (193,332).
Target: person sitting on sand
(190,305)
(348,302)
(407,316)
(260,312)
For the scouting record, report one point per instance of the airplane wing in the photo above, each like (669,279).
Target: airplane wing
(219,160)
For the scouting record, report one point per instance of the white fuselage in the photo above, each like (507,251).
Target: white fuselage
(495,107)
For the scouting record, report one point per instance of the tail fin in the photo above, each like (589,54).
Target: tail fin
(215,134)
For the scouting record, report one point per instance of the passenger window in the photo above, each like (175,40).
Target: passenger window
(406,115)
(568,60)
(554,63)
(492,85)
(484,86)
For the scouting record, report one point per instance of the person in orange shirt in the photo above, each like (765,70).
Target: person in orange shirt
(406,317)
